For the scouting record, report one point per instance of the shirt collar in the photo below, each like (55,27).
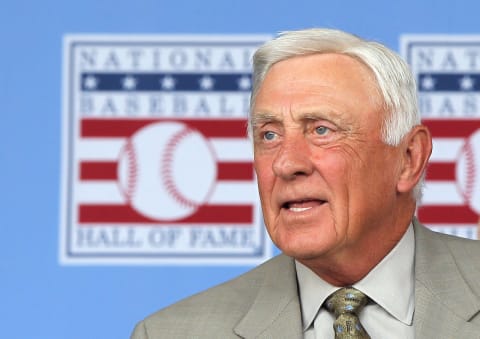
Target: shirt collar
(390,284)
(313,292)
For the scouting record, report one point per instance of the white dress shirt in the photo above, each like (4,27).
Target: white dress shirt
(390,285)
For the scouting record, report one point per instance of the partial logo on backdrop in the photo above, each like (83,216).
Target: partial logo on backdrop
(157,167)
(447,70)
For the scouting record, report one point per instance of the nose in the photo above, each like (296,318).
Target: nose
(293,159)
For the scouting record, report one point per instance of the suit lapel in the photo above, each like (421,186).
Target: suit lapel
(444,302)
(275,312)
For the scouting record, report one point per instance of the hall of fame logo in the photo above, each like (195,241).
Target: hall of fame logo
(157,166)
(447,70)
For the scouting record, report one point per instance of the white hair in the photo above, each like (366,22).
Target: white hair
(395,81)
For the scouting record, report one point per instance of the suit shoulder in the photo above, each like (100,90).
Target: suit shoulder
(458,246)
(465,253)
(223,304)
(458,243)
(237,290)
(467,248)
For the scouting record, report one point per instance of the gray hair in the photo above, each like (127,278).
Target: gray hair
(395,81)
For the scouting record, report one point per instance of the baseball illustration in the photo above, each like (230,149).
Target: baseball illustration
(468,171)
(166,170)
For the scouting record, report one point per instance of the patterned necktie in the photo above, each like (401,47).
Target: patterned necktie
(346,303)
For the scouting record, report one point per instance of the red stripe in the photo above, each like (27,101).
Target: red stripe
(451,128)
(447,214)
(107,170)
(238,214)
(98,170)
(235,171)
(108,128)
(444,171)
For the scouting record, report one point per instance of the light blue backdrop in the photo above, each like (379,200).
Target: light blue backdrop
(38,297)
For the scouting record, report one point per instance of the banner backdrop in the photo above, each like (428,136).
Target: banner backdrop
(447,72)
(107,106)
(157,166)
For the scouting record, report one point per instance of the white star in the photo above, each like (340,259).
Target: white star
(244,83)
(129,82)
(90,82)
(466,83)
(168,82)
(428,83)
(206,82)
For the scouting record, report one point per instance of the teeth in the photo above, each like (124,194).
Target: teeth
(299,209)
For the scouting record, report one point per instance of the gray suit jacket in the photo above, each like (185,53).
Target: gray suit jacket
(264,303)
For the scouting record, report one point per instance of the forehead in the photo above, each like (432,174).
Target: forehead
(330,82)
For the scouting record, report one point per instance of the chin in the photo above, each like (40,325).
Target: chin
(303,248)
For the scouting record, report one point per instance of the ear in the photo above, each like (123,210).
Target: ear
(416,148)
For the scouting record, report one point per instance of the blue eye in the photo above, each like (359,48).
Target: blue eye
(269,135)
(322,130)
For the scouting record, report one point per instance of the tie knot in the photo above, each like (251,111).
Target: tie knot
(346,300)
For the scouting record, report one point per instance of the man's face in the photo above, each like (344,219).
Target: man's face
(327,181)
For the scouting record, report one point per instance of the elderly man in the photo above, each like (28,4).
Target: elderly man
(340,156)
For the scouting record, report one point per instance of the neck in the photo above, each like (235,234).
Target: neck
(349,267)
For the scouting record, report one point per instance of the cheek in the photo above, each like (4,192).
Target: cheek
(352,160)
(368,179)
(265,176)
(376,169)
(343,173)
(334,165)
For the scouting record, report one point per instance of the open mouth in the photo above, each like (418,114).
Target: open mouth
(302,205)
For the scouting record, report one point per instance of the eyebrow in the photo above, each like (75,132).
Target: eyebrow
(264,118)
